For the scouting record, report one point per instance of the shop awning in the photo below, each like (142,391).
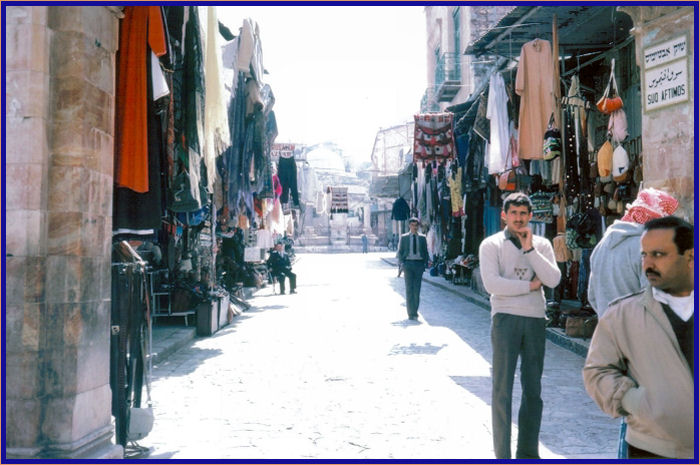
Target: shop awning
(581,28)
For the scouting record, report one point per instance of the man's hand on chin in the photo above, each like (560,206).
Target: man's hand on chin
(525,236)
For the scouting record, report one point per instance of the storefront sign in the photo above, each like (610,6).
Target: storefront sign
(282,150)
(666,85)
(665,52)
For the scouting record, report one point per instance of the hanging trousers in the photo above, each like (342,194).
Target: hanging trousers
(514,336)
(287,172)
(292,279)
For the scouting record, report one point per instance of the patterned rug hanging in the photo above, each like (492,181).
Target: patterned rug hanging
(433,137)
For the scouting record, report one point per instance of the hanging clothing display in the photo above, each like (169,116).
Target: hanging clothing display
(216,131)
(570,155)
(420,187)
(497,113)
(287,173)
(233,164)
(400,210)
(462,145)
(430,199)
(481,123)
(144,211)
(140,29)
(433,136)
(533,82)
(276,186)
(445,196)
(188,103)
(454,180)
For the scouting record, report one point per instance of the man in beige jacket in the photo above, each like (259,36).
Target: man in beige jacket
(640,362)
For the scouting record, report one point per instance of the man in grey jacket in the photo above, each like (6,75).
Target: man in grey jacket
(514,265)
(413,259)
(640,361)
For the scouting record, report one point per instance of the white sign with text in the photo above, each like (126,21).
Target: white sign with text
(665,52)
(666,85)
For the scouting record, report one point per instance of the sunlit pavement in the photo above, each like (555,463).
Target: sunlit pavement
(337,371)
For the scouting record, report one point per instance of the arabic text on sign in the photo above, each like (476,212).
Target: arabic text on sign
(666,85)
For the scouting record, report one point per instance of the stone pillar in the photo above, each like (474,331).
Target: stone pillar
(60,120)
(668,132)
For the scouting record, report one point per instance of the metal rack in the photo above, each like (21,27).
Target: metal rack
(160,288)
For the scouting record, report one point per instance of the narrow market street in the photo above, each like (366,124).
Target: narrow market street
(337,371)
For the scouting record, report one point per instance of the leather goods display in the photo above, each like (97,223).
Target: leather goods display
(433,137)
(611,100)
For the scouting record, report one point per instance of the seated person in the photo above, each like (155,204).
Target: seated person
(280,266)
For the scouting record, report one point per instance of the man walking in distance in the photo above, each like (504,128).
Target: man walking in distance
(515,264)
(640,361)
(413,259)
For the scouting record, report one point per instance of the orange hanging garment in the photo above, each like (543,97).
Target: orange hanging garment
(141,28)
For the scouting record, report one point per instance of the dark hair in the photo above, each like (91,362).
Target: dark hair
(683,231)
(519,200)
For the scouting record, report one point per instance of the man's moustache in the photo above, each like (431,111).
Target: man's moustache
(648,272)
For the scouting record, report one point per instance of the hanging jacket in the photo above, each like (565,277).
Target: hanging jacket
(400,210)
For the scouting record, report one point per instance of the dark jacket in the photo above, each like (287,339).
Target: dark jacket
(404,248)
(278,262)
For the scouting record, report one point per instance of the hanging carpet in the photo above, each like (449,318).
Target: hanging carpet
(433,136)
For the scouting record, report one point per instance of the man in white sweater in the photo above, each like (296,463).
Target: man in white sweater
(514,265)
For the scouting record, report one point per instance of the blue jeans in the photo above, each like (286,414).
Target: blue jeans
(583,271)
(622,452)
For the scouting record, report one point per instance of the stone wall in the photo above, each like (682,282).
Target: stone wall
(668,133)
(60,119)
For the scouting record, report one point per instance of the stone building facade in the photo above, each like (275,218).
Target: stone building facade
(668,133)
(452,75)
(60,74)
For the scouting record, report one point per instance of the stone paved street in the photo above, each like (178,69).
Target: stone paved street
(337,371)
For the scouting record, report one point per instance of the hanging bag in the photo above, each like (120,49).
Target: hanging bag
(617,125)
(507,181)
(551,148)
(514,178)
(611,100)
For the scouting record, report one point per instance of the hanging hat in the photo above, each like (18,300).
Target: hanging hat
(650,203)
(605,155)
(620,164)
